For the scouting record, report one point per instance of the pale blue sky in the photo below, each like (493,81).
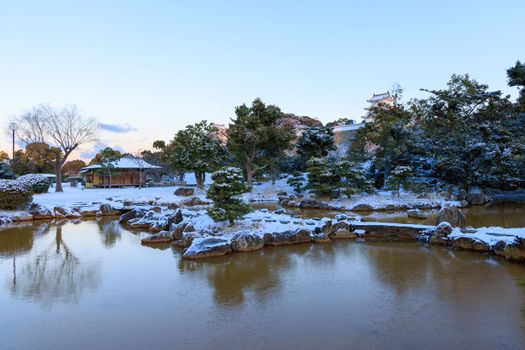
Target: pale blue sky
(153,67)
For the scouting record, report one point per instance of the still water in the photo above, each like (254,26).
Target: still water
(503,214)
(92,285)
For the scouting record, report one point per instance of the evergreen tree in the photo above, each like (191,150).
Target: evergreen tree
(353,178)
(296,180)
(316,142)
(228,182)
(254,139)
(321,177)
(399,177)
(516,76)
(108,157)
(196,149)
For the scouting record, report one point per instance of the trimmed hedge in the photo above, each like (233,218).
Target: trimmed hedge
(14,195)
(38,183)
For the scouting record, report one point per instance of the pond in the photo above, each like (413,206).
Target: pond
(91,285)
(503,214)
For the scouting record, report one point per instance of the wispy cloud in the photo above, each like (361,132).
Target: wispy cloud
(117,128)
(97,147)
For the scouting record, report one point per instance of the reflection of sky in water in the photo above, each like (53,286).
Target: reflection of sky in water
(100,288)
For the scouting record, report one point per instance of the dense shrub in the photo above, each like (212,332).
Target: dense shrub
(5,171)
(14,194)
(38,183)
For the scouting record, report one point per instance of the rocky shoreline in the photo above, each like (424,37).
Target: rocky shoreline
(188,227)
(268,229)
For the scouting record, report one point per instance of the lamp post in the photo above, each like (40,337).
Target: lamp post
(13,127)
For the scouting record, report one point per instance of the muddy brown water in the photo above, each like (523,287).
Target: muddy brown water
(92,285)
(504,214)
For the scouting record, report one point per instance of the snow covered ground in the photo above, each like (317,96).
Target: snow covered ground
(86,198)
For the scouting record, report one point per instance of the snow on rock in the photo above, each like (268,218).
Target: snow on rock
(207,247)
(490,235)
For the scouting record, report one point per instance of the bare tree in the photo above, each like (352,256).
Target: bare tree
(65,129)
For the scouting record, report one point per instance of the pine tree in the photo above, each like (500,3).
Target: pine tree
(228,182)
(296,180)
(196,149)
(255,140)
(321,177)
(399,177)
(316,142)
(353,178)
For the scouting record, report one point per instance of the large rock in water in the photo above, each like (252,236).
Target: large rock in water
(184,191)
(287,237)
(160,237)
(107,209)
(39,212)
(342,233)
(453,215)
(439,236)
(132,214)
(416,214)
(469,243)
(208,247)
(515,250)
(246,242)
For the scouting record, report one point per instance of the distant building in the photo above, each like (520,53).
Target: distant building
(382,98)
(125,172)
(221,132)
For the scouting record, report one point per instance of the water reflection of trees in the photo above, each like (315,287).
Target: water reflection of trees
(259,273)
(110,230)
(55,274)
(405,267)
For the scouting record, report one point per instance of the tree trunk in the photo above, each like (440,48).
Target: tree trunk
(199,177)
(249,171)
(109,174)
(58,173)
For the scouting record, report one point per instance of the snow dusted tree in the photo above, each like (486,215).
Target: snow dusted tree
(316,142)
(108,159)
(321,177)
(297,181)
(65,129)
(516,76)
(254,138)
(196,149)
(228,184)
(353,178)
(399,177)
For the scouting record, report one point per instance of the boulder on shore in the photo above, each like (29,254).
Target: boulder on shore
(515,250)
(470,243)
(416,214)
(453,215)
(363,207)
(246,241)
(342,233)
(208,247)
(40,213)
(439,236)
(132,214)
(184,191)
(160,237)
(287,237)
(320,238)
